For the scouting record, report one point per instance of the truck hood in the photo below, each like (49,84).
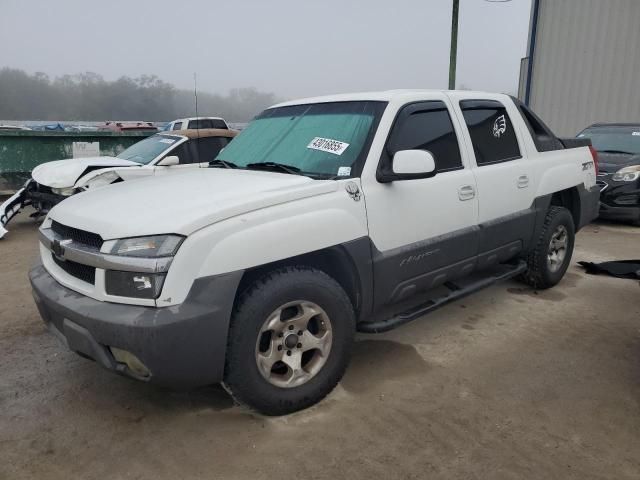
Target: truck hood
(183,202)
(65,173)
(612,162)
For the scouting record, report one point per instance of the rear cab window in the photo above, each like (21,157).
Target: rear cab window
(208,123)
(491,130)
(425,126)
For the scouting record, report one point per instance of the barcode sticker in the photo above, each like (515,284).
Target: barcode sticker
(328,145)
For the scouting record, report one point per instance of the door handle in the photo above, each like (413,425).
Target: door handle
(466,192)
(523,181)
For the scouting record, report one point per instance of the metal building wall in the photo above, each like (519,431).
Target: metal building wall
(586,63)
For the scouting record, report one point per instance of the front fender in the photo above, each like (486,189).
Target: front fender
(265,236)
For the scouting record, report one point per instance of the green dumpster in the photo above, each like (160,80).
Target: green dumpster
(21,151)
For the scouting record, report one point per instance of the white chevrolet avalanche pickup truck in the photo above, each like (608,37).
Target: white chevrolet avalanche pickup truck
(324,217)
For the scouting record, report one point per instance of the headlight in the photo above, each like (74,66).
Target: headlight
(153,246)
(133,284)
(627,174)
(65,192)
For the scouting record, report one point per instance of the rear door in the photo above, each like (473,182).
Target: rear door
(504,177)
(424,230)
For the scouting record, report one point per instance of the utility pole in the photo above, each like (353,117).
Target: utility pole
(454,45)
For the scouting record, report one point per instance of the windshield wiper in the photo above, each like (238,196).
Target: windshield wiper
(617,151)
(275,166)
(222,163)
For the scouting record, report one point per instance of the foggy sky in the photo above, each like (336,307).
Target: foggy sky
(293,48)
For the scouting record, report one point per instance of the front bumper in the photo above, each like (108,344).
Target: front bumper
(627,214)
(38,196)
(620,201)
(182,346)
(10,208)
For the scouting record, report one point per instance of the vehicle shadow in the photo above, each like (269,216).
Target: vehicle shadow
(374,362)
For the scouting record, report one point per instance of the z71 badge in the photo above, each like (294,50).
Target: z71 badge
(587,166)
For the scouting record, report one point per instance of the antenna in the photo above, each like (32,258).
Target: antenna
(195,95)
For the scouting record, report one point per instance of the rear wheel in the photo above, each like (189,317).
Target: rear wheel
(550,258)
(289,341)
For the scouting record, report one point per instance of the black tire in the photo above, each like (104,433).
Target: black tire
(243,378)
(538,274)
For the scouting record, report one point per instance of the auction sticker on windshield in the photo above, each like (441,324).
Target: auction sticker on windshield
(328,145)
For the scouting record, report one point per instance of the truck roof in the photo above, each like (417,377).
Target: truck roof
(196,118)
(386,96)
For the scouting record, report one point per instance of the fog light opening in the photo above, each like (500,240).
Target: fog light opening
(133,363)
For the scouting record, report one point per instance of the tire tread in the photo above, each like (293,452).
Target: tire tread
(232,383)
(536,258)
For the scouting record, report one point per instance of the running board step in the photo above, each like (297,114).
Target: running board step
(456,292)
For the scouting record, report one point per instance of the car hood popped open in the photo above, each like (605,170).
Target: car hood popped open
(182,203)
(65,173)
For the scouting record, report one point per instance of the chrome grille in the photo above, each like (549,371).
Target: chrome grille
(77,270)
(602,185)
(601,181)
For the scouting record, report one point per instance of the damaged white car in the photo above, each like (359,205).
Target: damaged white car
(163,153)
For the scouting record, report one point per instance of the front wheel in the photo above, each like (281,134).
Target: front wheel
(290,340)
(550,258)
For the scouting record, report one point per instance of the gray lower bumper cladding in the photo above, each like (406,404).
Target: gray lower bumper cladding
(180,347)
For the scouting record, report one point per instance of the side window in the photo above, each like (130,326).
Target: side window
(491,130)
(221,124)
(543,138)
(427,126)
(183,152)
(207,123)
(208,147)
(177,126)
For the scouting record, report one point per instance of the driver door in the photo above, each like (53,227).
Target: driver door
(424,231)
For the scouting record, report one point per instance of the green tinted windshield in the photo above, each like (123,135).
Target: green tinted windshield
(325,139)
(149,148)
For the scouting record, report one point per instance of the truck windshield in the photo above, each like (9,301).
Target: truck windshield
(320,139)
(149,148)
(614,139)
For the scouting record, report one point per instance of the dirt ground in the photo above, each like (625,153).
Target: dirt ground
(509,383)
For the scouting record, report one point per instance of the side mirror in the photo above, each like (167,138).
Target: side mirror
(413,162)
(407,165)
(169,161)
